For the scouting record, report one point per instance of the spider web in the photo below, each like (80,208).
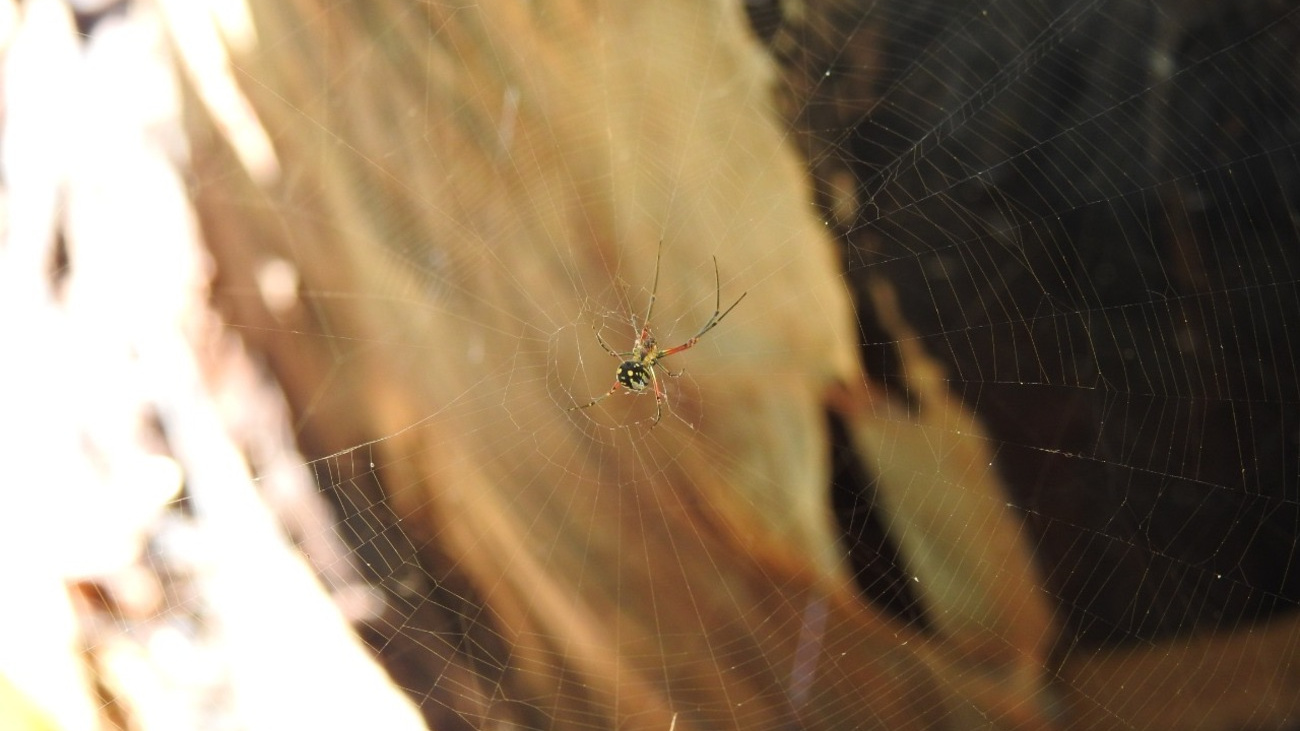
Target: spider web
(1060,491)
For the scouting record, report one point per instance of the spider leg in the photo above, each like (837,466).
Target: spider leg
(718,314)
(608,349)
(654,289)
(684,346)
(598,399)
(659,398)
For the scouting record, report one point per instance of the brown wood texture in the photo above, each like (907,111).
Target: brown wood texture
(464,194)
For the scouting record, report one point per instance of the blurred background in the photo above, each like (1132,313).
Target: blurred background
(300,298)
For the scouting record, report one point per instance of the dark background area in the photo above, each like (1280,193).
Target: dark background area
(1089,213)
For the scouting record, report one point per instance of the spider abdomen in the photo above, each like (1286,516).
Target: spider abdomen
(633,375)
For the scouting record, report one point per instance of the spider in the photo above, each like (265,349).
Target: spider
(636,372)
